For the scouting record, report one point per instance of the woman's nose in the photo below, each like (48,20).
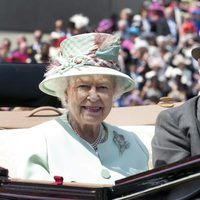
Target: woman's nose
(93,95)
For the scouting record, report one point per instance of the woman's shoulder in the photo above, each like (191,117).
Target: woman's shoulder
(115,128)
(46,125)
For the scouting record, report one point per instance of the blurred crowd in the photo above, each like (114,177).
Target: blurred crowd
(155,50)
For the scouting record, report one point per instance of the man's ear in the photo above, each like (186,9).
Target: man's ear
(198,62)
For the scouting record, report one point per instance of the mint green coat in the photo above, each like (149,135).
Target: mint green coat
(53,148)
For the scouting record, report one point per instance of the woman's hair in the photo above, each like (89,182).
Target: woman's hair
(63,83)
(61,86)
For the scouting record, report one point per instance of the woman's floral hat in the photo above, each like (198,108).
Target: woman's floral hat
(87,54)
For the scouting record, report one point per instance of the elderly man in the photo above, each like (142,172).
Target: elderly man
(177,133)
(177,136)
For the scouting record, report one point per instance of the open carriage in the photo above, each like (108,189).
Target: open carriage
(140,120)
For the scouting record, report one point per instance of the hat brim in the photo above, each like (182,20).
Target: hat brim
(125,82)
(196,53)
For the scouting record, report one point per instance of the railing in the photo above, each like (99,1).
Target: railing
(145,185)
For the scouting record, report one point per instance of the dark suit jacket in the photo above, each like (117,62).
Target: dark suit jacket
(177,133)
(177,136)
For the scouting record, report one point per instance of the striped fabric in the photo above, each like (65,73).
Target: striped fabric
(93,49)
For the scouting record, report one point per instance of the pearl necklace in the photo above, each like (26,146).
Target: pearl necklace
(97,141)
(100,138)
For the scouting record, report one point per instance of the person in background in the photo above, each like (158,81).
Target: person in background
(70,29)
(37,41)
(5,49)
(43,55)
(79,145)
(158,22)
(21,54)
(105,26)
(173,28)
(127,15)
(80,22)
(59,28)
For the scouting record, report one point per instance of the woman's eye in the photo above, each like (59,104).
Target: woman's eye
(83,86)
(103,87)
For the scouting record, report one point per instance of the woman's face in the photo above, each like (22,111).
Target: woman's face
(90,98)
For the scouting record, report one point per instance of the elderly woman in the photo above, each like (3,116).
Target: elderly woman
(79,146)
